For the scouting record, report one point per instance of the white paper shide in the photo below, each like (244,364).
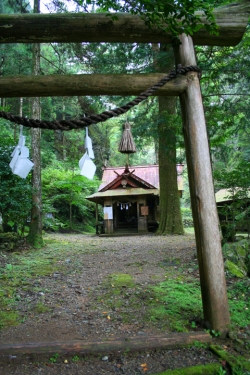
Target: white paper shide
(20,163)
(86,165)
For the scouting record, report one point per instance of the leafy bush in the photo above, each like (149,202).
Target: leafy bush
(64,195)
(15,194)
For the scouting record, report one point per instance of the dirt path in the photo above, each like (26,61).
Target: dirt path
(79,300)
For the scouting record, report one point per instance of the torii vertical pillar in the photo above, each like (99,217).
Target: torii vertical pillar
(206,223)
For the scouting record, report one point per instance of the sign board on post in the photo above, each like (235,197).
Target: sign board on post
(144,210)
(108,213)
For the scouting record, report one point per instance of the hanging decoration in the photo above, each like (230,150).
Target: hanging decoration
(86,165)
(123,205)
(20,164)
(127,144)
(88,145)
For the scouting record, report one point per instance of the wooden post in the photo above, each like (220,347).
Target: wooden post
(206,223)
(96,217)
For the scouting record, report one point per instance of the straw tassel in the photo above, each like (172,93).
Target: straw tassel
(127,144)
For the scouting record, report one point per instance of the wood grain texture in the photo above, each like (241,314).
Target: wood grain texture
(88,84)
(232,20)
(206,223)
(105,345)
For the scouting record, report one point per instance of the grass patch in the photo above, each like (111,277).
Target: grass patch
(189,230)
(210,369)
(171,305)
(178,303)
(8,318)
(40,308)
(121,280)
(239,303)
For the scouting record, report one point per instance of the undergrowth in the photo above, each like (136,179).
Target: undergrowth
(239,302)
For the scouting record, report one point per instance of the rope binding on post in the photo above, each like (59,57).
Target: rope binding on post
(94,119)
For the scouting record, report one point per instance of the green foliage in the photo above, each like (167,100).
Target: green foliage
(187,217)
(224,83)
(174,17)
(214,333)
(75,359)
(221,371)
(54,358)
(234,214)
(227,108)
(15,193)
(64,195)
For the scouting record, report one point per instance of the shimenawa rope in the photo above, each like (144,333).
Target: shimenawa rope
(94,119)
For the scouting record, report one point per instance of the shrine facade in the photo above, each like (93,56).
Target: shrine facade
(130,199)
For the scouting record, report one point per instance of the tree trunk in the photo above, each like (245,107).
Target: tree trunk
(232,20)
(35,232)
(170,212)
(70,216)
(59,140)
(88,84)
(206,223)
(59,144)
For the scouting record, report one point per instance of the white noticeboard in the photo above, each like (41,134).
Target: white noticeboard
(108,213)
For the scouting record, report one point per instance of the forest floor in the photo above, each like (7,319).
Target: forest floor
(84,287)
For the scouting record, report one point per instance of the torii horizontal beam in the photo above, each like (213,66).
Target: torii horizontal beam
(232,20)
(88,84)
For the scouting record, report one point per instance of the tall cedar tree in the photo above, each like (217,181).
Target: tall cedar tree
(170,211)
(35,233)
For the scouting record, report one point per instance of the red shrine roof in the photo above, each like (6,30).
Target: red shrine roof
(140,181)
(148,174)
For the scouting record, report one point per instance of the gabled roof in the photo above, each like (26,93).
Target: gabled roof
(127,178)
(146,176)
(141,181)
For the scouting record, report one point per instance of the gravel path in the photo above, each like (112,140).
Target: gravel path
(78,301)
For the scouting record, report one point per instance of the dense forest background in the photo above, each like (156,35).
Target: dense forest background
(225,87)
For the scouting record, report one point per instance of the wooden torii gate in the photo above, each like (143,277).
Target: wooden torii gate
(232,21)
